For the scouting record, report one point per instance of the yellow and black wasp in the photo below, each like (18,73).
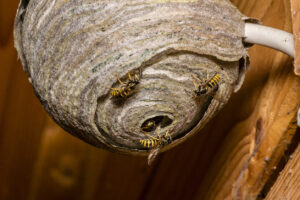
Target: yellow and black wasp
(153,142)
(210,85)
(149,126)
(127,87)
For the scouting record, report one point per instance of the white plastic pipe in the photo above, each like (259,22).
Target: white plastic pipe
(270,37)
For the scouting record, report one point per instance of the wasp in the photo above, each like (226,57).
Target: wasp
(127,87)
(159,140)
(208,86)
(149,126)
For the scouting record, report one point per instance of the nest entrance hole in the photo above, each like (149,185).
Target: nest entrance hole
(157,122)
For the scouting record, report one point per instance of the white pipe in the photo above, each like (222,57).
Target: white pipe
(270,37)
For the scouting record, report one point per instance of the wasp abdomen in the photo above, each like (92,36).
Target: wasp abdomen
(156,141)
(206,87)
(150,143)
(214,81)
(127,87)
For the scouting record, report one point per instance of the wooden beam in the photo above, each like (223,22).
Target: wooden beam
(295,6)
(287,186)
(255,145)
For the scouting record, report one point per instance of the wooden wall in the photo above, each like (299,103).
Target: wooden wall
(233,157)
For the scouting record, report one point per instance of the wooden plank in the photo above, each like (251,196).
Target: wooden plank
(22,119)
(8,64)
(295,6)
(7,16)
(123,177)
(271,92)
(61,166)
(20,133)
(21,115)
(8,54)
(288,183)
(181,170)
(72,169)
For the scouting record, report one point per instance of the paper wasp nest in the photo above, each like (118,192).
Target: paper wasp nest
(74,51)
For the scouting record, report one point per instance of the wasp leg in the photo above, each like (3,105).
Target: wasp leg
(129,77)
(122,95)
(159,139)
(168,135)
(198,79)
(149,143)
(143,142)
(136,77)
(121,82)
(195,84)
(125,93)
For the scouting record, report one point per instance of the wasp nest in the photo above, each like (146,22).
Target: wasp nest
(131,75)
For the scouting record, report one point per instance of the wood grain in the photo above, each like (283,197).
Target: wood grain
(288,183)
(231,158)
(255,144)
(295,6)
(21,115)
